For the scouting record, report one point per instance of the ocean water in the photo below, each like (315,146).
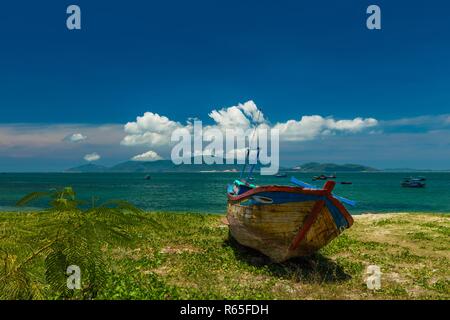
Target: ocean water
(205,192)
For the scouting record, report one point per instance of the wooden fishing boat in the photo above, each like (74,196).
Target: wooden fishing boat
(284,221)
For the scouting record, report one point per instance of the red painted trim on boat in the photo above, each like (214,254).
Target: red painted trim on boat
(251,192)
(329,186)
(342,209)
(310,219)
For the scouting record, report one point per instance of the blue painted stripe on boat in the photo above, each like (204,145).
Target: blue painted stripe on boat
(285,197)
(338,218)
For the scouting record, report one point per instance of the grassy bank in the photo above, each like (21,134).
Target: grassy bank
(189,256)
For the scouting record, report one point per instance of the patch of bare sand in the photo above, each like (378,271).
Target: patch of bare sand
(163,270)
(412,217)
(398,234)
(177,249)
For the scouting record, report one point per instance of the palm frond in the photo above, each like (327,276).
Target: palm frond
(31,197)
(55,269)
(69,235)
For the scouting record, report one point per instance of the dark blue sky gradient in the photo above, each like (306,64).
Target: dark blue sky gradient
(183,58)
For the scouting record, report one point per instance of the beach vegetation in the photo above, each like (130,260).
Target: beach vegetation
(35,260)
(163,255)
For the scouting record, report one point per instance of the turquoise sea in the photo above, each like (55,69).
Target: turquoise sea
(205,192)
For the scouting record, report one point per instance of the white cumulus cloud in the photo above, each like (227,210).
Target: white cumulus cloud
(150,129)
(240,116)
(92,157)
(147,156)
(155,130)
(76,137)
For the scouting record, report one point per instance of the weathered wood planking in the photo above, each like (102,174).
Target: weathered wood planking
(271,229)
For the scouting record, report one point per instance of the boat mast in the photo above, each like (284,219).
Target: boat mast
(245,163)
(247,156)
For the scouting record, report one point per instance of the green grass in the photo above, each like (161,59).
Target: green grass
(190,256)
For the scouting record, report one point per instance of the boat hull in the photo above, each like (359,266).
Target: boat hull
(297,223)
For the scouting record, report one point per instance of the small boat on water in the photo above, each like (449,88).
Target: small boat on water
(147,177)
(413,183)
(346,182)
(420,178)
(281,175)
(324,177)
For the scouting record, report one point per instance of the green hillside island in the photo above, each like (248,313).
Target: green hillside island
(332,167)
(169,166)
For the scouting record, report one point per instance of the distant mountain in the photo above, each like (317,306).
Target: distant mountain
(155,166)
(402,170)
(88,168)
(332,167)
(143,166)
(413,170)
(168,166)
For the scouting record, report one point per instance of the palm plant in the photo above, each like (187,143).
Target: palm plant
(68,235)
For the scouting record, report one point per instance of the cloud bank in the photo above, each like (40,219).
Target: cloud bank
(154,130)
(377,142)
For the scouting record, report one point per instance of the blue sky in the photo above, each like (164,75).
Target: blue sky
(183,59)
